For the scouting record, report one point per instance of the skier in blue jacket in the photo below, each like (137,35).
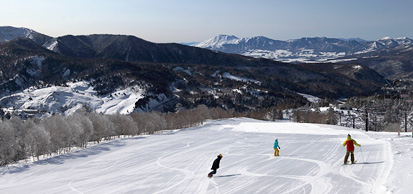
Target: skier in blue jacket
(276,147)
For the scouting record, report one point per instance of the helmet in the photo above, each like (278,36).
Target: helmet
(220,155)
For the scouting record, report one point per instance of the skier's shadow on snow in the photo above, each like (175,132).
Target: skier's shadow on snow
(228,175)
(370,162)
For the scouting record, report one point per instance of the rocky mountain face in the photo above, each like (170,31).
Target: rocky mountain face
(170,76)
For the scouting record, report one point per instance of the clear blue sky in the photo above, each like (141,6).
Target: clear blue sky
(197,20)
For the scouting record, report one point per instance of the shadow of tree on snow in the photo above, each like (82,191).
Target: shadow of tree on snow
(61,159)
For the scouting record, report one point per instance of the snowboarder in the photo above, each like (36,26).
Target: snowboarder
(276,147)
(350,148)
(215,166)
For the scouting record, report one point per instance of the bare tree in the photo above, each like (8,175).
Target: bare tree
(203,112)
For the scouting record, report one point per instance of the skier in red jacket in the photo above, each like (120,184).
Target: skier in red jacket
(350,148)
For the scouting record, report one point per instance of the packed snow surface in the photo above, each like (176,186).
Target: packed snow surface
(310,161)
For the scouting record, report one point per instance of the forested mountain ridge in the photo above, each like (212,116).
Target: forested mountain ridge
(395,63)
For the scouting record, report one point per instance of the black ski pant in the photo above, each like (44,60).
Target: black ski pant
(214,171)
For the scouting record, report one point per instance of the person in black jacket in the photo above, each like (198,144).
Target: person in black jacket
(215,166)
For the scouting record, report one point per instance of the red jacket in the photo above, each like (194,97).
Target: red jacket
(350,144)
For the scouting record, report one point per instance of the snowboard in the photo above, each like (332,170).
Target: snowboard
(209,175)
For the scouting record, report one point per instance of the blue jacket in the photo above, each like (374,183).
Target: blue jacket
(276,144)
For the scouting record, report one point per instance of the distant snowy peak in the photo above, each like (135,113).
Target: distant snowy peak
(9,33)
(385,43)
(353,39)
(258,41)
(306,49)
(218,41)
(393,41)
(385,38)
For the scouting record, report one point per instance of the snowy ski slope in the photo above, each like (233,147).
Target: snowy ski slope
(310,161)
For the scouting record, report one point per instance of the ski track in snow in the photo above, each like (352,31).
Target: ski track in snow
(187,173)
(178,162)
(72,188)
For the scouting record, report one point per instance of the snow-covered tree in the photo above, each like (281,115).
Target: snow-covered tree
(8,143)
(37,139)
(81,128)
(60,132)
(124,124)
(20,132)
(103,128)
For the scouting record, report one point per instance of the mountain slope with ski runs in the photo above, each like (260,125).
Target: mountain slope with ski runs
(310,161)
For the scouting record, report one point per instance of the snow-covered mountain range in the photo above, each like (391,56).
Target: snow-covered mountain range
(309,50)
(44,73)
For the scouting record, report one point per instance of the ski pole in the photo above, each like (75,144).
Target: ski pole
(361,151)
